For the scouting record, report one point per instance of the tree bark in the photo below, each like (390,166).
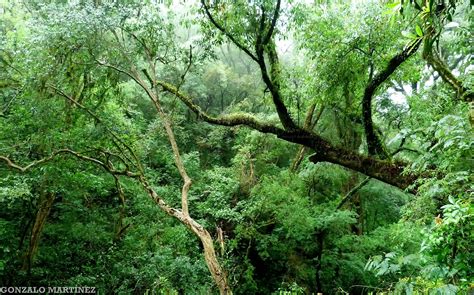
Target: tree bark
(308,125)
(46,202)
(218,274)
(374,143)
(434,60)
(384,170)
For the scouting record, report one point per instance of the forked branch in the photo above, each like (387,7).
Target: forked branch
(374,143)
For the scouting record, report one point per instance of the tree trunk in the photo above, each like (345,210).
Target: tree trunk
(44,208)
(218,274)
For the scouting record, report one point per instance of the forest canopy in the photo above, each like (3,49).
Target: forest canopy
(247,147)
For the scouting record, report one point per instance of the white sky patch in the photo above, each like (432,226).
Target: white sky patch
(398,97)
(285,46)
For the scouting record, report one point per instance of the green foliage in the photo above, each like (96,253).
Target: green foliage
(67,71)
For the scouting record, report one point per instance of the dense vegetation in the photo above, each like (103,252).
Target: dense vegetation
(247,147)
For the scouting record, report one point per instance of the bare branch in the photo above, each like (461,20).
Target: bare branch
(27,167)
(53,155)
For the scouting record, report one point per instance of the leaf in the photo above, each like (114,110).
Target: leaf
(390,255)
(408,35)
(383,268)
(448,143)
(419,31)
(417,6)
(451,200)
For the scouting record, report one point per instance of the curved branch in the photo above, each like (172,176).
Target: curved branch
(54,154)
(217,272)
(386,171)
(11,164)
(440,66)
(276,14)
(374,143)
(226,120)
(263,43)
(226,33)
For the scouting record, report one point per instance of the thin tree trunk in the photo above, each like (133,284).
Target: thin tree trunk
(218,274)
(43,211)
(216,270)
(309,125)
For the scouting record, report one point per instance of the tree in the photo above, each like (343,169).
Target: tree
(112,101)
(140,39)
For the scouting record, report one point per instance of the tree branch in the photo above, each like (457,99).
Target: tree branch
(116,139)
(434,60)
(226,33)
(386,171)
(374,143)
(273,84)
(54,154)
(352,192)
(276,14)
(309,125)
(225,120)
(263,43)
(174,147)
